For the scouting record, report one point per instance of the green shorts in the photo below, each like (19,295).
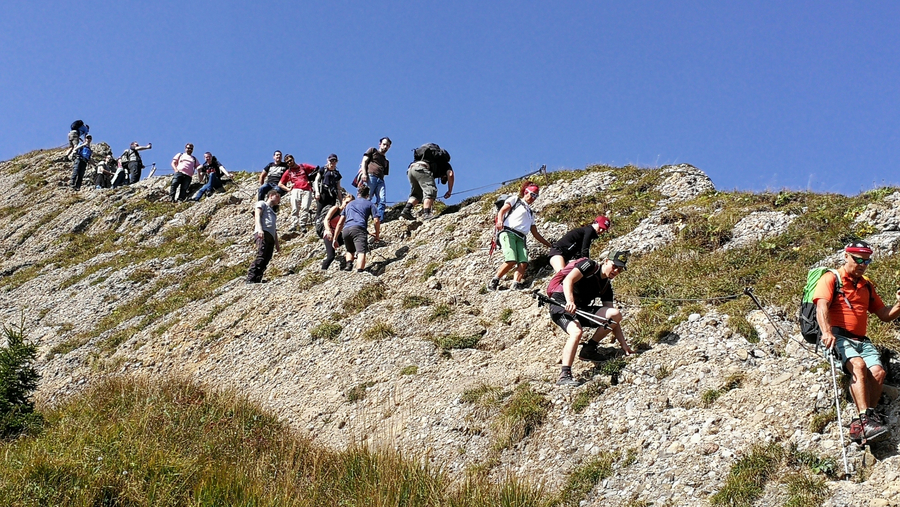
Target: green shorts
(848,348)
(513,247)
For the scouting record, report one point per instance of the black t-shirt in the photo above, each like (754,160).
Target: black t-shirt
(591,285)
(274,173)
(577,242)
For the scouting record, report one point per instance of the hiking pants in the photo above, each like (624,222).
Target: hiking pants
(301,201)
(377,194)
(134,172)
(421,182)
(78,172)
(329,252)
(212,183)
(264,191)
(265,246)
(180,184)
(120,178)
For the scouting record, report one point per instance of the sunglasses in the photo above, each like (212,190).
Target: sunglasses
(860,260)
(533,194)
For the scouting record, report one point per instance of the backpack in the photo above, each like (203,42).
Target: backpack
(77,124)
(809,325)
(438,159)
(320,221)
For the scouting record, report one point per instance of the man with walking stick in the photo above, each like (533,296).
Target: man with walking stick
(842,303)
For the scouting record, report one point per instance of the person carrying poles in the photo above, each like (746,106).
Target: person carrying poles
(841,311)
(572,291)
(514,221)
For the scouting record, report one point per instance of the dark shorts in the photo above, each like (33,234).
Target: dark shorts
(356,240)
(556,251)
(563,319)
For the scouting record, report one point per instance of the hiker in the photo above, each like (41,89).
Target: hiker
(353,225)
(372,170)
(841,311)
(131,161)
(82,154)
(575,287)
(514,221)
(104,171)
(576,243)
(430,162)
(214,172)
(183,167)
(270,176)
(265,233)
(326,226)
(327,185)
(77,132)
(296,181)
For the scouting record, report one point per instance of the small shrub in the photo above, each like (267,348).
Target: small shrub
(409,370)
(358,392)
(742,326)
(440,312)
(456,341)
(309,281)
(613,366)
(709,397)
(415,301)
(430,269)
(520,416)
(748,476)
(326,331)
(482,395)
(805,491)
(584,397)
(583,479)
(663,372)
(506,316)
(367,295)
(379,331)
(18,380)
(819,421)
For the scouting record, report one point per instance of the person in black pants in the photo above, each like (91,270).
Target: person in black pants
(83,154)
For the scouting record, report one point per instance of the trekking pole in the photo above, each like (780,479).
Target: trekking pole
(749,291)
(837,410)
(595,319)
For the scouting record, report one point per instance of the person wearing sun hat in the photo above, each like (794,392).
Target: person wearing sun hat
(841,311)
(576,243)
(514,221)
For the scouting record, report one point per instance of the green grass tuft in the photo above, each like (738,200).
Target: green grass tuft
(379,331)
(326,331)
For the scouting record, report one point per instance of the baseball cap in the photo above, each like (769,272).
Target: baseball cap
(603,222)
(619,258)
(860,247)
(332,157)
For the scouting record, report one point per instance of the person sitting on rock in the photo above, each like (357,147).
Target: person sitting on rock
(103,172)
(353,225)
(514,221)
(841,311)
(270,176)
(214,173)
(575,287)
(576,243)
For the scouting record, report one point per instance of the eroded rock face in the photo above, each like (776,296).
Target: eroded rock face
(758,226)
(266,340)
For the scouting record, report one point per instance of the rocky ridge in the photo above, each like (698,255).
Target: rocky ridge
(409,393)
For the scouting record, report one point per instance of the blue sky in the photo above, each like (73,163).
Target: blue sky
(760,95)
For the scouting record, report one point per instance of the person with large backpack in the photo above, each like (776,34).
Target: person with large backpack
(576,243)
(82,154)
(77,132)
(327,184)
(574,288)
(430,162)
(843,300)
(514,221)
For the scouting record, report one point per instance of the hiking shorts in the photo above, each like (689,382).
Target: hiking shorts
(421,182)
(513,247)
(356,240)
(848,348)
(563,319)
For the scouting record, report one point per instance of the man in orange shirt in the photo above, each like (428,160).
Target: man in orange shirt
(842,313)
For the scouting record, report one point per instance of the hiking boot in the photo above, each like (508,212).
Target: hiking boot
(518,286)
(347,267)
(427,215)
(406,214)
(566,379)
(589,352)
(856,431)
(874,431)
(494,284)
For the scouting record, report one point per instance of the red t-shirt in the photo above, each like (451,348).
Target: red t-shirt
(849,313)
(299,175)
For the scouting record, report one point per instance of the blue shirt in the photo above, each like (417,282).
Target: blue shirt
(358,212)
(85,152)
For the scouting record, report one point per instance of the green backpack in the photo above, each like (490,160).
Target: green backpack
(809,325)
